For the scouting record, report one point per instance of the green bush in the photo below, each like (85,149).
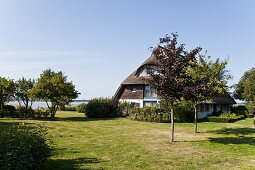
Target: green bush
(39,113)
(249,115)
(243,110)
(68,108)
(9,108)
(81,108)
(24,147)
(183,111)
(22,112)
(124,108)
(250,107)
(149,114)
(225,119)
(9,111)
(218,113)
(239,110)
(101,108)
(231,115)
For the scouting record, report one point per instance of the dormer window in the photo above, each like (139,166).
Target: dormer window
(145,71)
(133,88)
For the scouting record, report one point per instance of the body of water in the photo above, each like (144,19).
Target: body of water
(41,104)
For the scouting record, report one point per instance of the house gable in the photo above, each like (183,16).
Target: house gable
(127,92)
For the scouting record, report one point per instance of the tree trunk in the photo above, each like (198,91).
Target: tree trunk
(195,119)
(172,124)
(52,115)
(53,111)
(27,105)
(1,110)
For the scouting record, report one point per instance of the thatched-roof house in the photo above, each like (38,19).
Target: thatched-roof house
(139,94)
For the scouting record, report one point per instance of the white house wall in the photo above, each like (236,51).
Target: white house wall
(140,101)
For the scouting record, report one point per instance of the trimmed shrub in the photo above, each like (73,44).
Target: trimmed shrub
(225,119)
(24,147)
(101,108)
(231,115)
(149,114)
(81,108)
(68,108)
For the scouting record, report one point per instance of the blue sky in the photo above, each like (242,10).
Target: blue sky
(97,44)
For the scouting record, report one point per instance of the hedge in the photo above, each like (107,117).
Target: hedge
(24,147)
(101,108)
(149,114)
(67,108)
(225,119)
(81,108)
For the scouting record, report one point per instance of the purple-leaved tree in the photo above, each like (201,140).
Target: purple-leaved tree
(169,77)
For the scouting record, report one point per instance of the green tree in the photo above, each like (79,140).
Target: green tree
(249,87)
(207,79)
(239,87)
(249,91)
(7,89)
(54,89)
(23,86)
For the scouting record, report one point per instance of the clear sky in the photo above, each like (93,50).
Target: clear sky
(97,44)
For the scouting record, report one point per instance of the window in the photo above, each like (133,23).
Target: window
(150,103)
(224,107)
(133,88)
(146,70)
(202,108)
(132,104)
(149,92)
(207,107)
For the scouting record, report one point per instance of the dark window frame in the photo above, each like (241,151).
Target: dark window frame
(133,89)
(151,91)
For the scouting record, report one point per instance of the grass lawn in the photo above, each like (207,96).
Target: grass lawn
(120,143)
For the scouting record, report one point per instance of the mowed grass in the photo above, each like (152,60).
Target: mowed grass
(121,143)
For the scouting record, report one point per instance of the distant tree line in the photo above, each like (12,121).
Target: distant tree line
(51,87)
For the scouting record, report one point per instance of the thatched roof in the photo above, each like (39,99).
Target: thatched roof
(227,99)
(133,79)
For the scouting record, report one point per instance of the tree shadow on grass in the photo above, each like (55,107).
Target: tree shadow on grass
(233,140)
(70,163)
(234,131)
(82,119)
(238,132)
